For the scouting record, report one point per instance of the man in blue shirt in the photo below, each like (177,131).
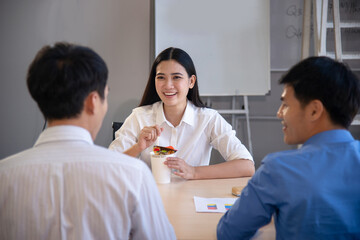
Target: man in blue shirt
(312,192)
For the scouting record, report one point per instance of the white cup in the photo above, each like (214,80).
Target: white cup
(161,172)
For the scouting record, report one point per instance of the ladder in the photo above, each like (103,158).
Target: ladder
(321,24)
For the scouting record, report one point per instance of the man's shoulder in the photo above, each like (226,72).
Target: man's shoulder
(313,150)
(282,156)
(84,154)
(293,158)
(107,156)
(284,153)
(15,158)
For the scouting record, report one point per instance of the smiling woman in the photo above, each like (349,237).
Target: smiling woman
(172,113)
(172,85)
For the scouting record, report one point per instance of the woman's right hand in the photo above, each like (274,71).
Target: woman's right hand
(148,136)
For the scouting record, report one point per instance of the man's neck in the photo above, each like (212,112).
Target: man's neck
(79,122)
(325,125)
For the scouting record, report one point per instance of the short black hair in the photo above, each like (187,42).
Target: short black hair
(329,81)
(62,76)
(150,95)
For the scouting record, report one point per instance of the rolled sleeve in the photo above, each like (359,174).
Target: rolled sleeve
(223,138)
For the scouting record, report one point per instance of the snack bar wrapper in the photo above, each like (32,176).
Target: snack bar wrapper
(158,150)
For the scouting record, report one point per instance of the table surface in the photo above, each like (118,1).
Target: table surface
(178,199)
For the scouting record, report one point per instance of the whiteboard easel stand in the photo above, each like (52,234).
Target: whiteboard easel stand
(233,112)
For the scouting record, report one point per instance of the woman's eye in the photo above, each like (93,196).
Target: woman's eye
(177,77)
(160,77)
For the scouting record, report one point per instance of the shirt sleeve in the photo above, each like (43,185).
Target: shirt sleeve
(127,135)
(149,219)
(252,210)
(223,139)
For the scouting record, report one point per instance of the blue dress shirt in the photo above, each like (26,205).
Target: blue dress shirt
(312,192)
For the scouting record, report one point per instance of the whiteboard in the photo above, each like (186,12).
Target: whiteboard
(286,33)
(228,40)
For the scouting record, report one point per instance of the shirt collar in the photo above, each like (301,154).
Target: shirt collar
(189,114)
(64,133)
(160,116)
(188,117)
(331,136)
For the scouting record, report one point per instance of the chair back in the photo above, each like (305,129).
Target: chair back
(116,126)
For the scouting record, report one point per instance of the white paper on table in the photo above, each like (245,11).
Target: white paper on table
(219,205)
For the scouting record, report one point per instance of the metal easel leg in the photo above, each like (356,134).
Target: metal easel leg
(246,106)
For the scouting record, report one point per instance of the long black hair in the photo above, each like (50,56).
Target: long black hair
(150,95)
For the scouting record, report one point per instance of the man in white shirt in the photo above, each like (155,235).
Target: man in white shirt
(65,187)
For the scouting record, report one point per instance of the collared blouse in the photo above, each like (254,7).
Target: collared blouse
(200,130)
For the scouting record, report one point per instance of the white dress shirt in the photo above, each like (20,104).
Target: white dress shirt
(199,131)
(65,187)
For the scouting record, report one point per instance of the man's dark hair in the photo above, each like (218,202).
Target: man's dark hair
(62,76)
(329,81)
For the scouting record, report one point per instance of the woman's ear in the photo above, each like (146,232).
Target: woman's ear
(192,81)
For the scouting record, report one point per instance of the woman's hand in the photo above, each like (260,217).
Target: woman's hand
(184,170)
(148,136)
(230,169)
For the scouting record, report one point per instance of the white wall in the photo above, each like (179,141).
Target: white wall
(119,30)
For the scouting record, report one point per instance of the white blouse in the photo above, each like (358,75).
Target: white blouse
(199,131)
